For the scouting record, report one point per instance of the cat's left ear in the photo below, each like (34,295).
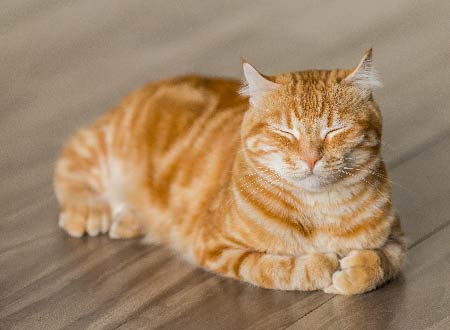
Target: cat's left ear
(256,84)
(364,76)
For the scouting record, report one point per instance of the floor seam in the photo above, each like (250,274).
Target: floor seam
(416,152)
(430,234)
(312,310)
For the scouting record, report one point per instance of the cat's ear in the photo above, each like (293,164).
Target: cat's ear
(256,84)
(364,76)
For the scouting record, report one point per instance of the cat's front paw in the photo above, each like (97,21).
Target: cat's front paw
(320,270)
(360,271)
(79,219)
(125,225)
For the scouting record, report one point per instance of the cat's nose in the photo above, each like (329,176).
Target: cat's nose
(311,158)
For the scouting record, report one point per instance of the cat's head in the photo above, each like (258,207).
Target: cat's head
(312,128)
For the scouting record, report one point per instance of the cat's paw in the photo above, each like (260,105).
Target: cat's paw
(360,271)
(125,225)
(321,269)
(80,219)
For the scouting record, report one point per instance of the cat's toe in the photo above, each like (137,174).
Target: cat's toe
(125,225)
(93,223)
(73,221)
(105,223)
(78,220)
(321,270)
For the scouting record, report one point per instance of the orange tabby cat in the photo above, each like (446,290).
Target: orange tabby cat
(282,185)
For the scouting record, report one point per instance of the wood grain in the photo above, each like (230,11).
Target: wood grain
(63,63)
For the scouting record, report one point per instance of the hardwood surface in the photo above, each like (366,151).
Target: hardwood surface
(63,63)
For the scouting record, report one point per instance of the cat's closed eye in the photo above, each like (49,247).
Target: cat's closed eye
(330,132)
(287,134)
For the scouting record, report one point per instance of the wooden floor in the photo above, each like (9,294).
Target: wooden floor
(63,63)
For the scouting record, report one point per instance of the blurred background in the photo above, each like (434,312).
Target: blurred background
(63,63)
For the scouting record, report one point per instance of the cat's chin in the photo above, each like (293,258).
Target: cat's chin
(312,183)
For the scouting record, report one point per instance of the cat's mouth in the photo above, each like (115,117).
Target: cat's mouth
(314,181)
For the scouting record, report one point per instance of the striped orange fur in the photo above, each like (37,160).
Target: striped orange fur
(282,185)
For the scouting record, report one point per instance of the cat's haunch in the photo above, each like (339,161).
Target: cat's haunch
(279,183)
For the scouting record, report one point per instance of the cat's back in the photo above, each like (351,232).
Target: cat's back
(166,113)
(191,93)
(187,108)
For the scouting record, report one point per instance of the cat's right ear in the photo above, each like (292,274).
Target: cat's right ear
(256,84)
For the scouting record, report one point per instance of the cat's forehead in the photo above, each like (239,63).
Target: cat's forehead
(311,90)
(296,118)
(309,107)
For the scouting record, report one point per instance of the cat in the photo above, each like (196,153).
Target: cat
(279,183)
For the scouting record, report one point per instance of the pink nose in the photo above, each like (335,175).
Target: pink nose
(311,158)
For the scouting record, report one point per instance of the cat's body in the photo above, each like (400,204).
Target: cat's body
(186,162)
